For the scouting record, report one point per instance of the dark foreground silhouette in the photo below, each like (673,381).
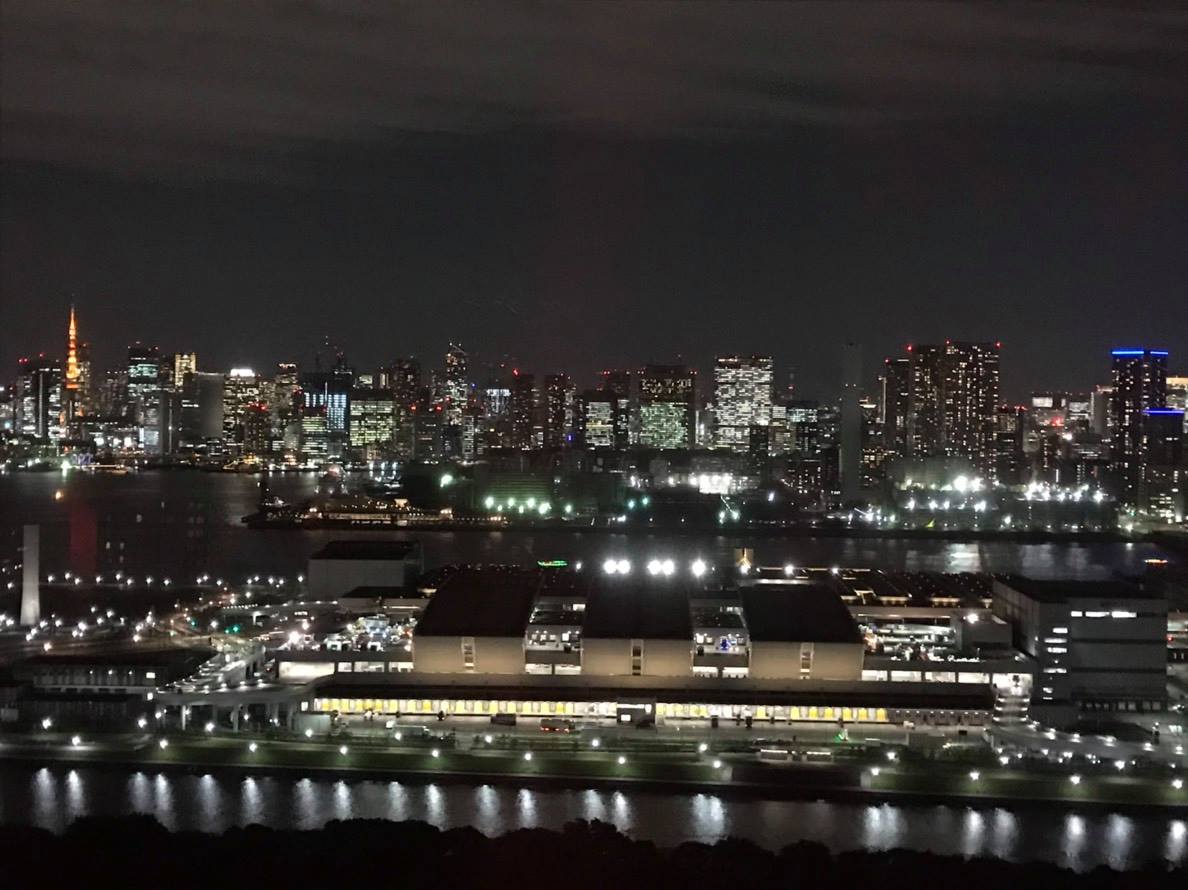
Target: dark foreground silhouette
(137,851)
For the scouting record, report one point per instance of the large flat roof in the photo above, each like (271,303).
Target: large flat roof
(492,601)
(368,550)
(797,612)
(1063,591)
(631,608)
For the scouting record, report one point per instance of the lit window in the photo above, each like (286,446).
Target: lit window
(1060,630)
(1119,613)
(1077,613)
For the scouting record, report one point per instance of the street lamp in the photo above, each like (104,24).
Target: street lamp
(343,750)
(622,760)
(527,755)
(47,722)
(974,775)
(1075,779)
(252,747)
(76,740)
(163,744)
(698,568)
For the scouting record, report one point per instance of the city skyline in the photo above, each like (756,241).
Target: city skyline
(632,198)
(781,376)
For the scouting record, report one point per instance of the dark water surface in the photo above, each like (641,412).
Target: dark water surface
(51,798)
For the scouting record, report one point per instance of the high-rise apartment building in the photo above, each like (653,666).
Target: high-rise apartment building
(559,404)
(456,389)
(895,404)
(522,409)
(1177,395)
(954,401)
(742,398)
(667,406)
(1140,383)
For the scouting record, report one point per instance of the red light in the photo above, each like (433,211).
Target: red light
(909,347)
(998,344)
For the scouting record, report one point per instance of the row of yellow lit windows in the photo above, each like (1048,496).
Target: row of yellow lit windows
(459,706)
(781,712)
(606,709)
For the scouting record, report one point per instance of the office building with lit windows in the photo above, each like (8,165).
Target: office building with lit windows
(372,422)
(742,398)
(39,398)
(241,389)
(667,407)
(598,412)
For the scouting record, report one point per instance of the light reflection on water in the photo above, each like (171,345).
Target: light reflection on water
(52,798)
(224,545)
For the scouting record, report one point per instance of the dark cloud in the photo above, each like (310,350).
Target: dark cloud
(579,183)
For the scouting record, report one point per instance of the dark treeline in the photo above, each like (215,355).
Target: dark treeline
(137,851)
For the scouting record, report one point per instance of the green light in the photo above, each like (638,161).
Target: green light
(446,480)
(552,563)
(489,502)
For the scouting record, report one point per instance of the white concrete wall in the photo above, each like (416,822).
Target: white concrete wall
(492,655)
(661,658)
(781,661)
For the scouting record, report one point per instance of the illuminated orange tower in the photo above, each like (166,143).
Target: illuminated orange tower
(72,373)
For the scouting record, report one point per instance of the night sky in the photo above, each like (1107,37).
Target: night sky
(586,185)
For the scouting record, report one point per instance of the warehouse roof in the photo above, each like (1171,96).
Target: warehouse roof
(1063,591)
(630,608)
(368,550)
(492,601)
(800,612)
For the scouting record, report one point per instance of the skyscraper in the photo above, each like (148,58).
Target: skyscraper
(144,372)
(39,398)
(372,423)
(330,390)
(241,389)
(742,398)
(954,402)
(850,444)
(183,363)
(667,406)
(895,404)
(522,408)
(1140,383)
(559,399)
(456,388)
